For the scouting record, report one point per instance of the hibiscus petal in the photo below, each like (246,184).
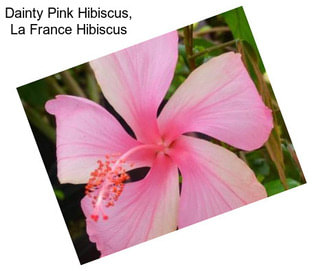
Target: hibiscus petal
(215,180)
(145,209)
(219,99)
(86,132)
(135,81)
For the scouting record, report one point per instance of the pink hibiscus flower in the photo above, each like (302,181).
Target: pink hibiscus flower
(217,99)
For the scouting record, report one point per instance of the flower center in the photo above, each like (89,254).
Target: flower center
(164,147)
(106,182)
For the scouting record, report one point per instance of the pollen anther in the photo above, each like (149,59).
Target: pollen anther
(105,186)
(106,182)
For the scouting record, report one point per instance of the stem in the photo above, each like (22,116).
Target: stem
(188,42)
(294,158)
(213,48)
(212,30)
(273,144)
(53,83)
(93,89)
(242,155)
(72,84)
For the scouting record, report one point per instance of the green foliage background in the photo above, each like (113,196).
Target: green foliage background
(275,164)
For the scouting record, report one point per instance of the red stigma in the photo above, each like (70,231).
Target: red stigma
(105,186)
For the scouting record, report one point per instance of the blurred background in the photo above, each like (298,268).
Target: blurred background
(275,164)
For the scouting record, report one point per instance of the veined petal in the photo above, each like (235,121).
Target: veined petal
(135,81)
(219,99)
(85,133)
(145,209)
(215,180)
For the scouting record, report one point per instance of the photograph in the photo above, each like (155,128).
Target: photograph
(161,135)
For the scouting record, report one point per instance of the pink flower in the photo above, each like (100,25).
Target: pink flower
(217,99)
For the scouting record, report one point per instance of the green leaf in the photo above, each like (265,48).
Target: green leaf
(275,186)
(181,72)
(239,26)
(35,94)
(177,81)
(59,194)
(93,89)
(260,178)
(200,45)
(182,56)
(260,167)
(40,122)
